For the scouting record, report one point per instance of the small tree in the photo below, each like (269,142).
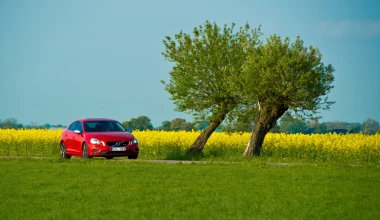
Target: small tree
(125,124)
(283,77)
(370,126)
(10,123)
(291,125)
(176,123)
(165,126)
(354,128)
(140,123)
(200,79)
(237,126)
(321,128)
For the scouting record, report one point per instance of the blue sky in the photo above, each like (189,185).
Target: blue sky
(63,60)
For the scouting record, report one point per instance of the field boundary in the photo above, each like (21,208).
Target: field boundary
(179,161)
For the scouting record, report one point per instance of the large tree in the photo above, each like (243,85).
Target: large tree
(203,65)
(283,77)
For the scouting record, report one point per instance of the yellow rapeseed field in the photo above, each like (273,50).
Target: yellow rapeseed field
(163,145)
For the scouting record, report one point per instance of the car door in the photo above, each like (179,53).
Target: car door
(69,137)
(77,139)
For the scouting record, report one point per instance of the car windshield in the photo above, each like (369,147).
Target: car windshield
(103,126)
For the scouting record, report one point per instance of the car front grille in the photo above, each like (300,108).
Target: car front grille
(118,143)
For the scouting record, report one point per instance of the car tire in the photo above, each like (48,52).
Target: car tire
(63,152)
(109,158)
(85,152)
(132,157)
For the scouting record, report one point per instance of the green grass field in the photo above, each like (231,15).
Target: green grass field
(122,189)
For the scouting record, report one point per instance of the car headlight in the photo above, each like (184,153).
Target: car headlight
(135,141)
(96,141)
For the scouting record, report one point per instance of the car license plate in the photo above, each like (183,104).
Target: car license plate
(118,149)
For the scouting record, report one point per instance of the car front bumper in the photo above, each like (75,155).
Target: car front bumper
(105,151)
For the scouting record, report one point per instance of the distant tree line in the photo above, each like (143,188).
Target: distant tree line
(144,123)
(286,125)
(10,123)
(293,126)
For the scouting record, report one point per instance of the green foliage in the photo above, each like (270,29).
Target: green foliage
(125,124)
(61,189)
(140,123)
(180,124)
(238,126)
(204,62)
(292,126)
(177,124)
(283,73)
(165,126)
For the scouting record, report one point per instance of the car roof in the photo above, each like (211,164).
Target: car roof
(95,119)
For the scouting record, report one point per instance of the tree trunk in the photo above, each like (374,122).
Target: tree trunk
(264,121)
(201,140)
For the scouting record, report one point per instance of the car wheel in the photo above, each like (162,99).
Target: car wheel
(63,152)
(85,152)
(132,157)
(109,158)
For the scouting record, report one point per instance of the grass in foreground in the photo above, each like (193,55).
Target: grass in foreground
(120,189)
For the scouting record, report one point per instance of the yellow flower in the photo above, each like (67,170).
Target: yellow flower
(161,144)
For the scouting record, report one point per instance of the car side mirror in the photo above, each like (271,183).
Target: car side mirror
(77,132)
(129,130)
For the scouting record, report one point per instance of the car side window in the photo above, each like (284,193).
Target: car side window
(79,127)
(73,125)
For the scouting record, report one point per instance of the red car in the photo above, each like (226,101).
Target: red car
(98,137)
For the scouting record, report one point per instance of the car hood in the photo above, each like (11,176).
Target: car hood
(111,136)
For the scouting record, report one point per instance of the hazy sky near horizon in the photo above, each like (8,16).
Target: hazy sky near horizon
(63,60)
